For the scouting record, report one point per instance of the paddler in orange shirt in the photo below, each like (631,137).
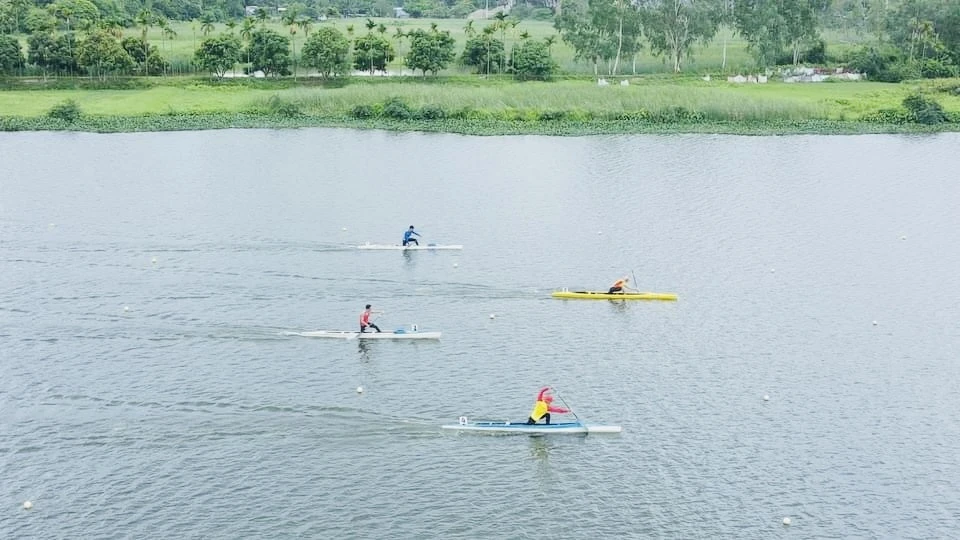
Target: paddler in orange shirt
(542,408)
(620,286)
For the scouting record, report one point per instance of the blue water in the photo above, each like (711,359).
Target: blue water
(148,387)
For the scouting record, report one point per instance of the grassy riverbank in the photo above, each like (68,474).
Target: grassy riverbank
(472,105)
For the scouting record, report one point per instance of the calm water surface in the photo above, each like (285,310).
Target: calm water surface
(147,388)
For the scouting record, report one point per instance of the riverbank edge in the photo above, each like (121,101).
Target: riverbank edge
(477,127)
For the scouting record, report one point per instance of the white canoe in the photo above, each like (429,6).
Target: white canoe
(424,247)
(367,335)
(522,427)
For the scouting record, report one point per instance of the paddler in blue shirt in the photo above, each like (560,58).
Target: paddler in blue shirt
(408,237)
(542,408)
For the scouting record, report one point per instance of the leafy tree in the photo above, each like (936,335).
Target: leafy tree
(39,21)
(372,52)
(673,26)
(771,25)
(531,60)
(13,14)
(75,13)
(584,28)
(218,54)
(327,50)
(153,61)
(430,50)
(269,52)
(51,53)
(483,52)
(11,57)
(68,111)
(101,55)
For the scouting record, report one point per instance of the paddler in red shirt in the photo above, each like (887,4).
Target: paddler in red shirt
(365,320)
(542,408)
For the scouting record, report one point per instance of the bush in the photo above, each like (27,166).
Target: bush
(936,69)
(432,112)
(923,110)
(397,109)
(68,111)
(887,116)
(362,111)
(280,107)
(552,115)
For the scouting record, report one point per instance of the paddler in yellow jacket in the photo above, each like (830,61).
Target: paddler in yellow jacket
(620,286)
(542,408)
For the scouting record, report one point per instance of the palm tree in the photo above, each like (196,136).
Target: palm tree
(382,29)
(399,35)
(306,24)
(488,38)
(206,27)
(261,15)
(524,35)
(350,30)
(289,18)
(502,24)
(231,25)
(370,25)
(145,20)
(246,30)
(469,30)
(550,40)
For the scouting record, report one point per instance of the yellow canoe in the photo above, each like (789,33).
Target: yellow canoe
(603,295)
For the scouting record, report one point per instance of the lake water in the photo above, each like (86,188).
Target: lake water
(148,389)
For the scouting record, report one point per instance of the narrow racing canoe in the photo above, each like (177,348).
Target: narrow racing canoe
(421,247)
(399,334)
(603,295)
(523,427)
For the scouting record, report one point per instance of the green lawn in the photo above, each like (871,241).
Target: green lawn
(716,99)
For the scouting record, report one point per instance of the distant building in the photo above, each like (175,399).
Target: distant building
(250,11)
(399,13)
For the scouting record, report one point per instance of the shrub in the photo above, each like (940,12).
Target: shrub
(68,111)
(552,115)
(362,111)
(432,112)
(887,116)
(923,110)
(936,69)
(281,107)
(397,109)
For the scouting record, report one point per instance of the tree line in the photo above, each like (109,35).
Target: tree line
(100,50)
(902,39)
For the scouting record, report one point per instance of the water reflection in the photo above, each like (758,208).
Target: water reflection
(407,256)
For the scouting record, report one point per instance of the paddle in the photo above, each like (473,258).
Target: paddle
(634,280)
(565,404)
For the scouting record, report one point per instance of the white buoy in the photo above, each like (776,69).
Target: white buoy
(52,225)
(599,232)
(27,505)
(772,270)
(154,260)
(766,398)
(455,265)
(343,229)
(786,521)
(359,389)
(126,308)
(874,323)
(903,237)
(492,316)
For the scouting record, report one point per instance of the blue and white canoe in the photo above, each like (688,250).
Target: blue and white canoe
(523,427)
(414,247)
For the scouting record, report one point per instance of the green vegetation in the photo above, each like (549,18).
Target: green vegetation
(292,63)
(500,106)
